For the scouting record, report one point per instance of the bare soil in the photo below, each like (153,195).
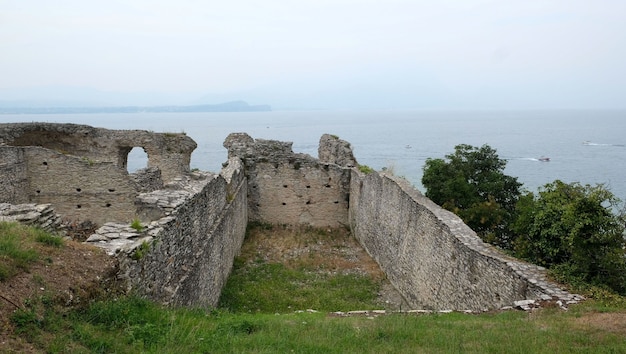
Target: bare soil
(66,276)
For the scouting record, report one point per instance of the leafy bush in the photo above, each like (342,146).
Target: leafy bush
(472,184)
(572,228)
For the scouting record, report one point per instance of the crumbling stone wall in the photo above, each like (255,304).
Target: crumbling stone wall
(290,188)
(81,170)
(170,152)
(14,175)
(192,255)
(432,257)
(78,188)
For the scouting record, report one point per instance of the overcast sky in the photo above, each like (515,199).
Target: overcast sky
(333,54)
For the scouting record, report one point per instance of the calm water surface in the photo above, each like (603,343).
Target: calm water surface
(583,146)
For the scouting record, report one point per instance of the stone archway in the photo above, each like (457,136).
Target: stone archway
(136,159)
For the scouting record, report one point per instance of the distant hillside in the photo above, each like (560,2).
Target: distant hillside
(234,106)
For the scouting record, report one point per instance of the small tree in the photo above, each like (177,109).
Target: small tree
(472,184)
(572,228)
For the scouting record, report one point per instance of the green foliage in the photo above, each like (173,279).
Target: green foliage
(573,229)
(141,251)
(47,239)
(365,169)
(15,254)
(472,184)
(136,224)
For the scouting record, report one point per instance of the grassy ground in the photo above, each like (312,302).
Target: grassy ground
(264,310)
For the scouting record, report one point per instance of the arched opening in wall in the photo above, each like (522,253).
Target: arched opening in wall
(137,159)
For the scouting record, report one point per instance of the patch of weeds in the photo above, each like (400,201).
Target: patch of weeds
(141,251)
(48,239)
(336,137)
(136,224)
(15,255)
(26,322)
(365,169)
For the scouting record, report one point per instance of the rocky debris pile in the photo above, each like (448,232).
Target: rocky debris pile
(115,237)
(161,203)
(39,215)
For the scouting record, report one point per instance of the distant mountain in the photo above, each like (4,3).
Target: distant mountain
(234,106)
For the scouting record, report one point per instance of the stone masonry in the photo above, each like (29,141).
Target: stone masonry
(193,224)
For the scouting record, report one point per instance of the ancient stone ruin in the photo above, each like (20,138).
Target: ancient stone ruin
(176,232)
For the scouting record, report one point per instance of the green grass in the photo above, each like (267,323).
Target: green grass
(258,313)
(16,249)
(274,288)
(131,325)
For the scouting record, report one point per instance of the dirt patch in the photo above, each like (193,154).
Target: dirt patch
(66,276)
(614,322)
(326,250)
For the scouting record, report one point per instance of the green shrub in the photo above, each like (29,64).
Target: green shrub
(573,230)
(136,224)
(365,169)
(141,251)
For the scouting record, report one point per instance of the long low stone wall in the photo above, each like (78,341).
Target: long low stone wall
(432,257)
(190,258)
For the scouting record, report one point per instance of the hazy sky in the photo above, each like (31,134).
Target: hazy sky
(322,53)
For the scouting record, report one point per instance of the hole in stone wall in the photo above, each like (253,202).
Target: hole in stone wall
(308,202)
(336,202)
(78,206)
(285,186)
(284,203)
(78,190)
(45,163)
(38,191)
(137,159)
(111,190)
(308,186)
(327,185)
(108,205)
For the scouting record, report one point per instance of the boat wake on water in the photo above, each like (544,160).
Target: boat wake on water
(589,143)
(538,159)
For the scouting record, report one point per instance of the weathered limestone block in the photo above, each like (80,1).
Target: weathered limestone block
(336,151)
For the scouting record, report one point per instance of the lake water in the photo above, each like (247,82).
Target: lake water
(583,146)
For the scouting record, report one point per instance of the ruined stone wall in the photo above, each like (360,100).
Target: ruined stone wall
(192,255)
(170,152)
(14,175)
(79,189)
(431,256)
(289,188)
